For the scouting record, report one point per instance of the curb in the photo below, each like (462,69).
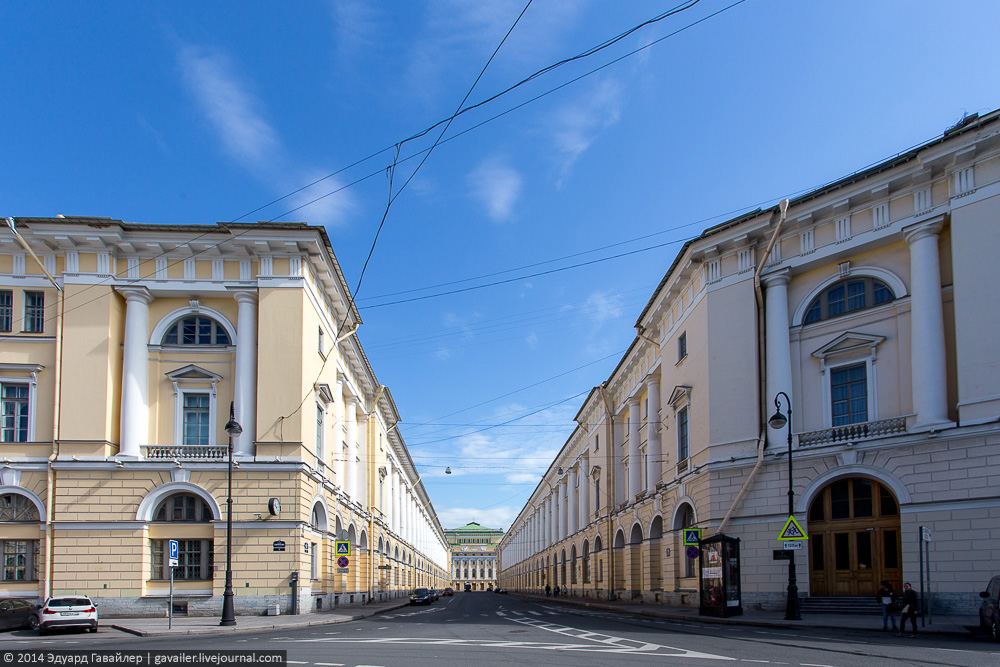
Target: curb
(216,630)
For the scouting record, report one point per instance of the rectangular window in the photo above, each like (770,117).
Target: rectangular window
(196,418)
(19,560)
(320,420)
(816,545)
(6,310)
(322,344)
(15,412)
(849,392)
(682,346)
(195,559)
(891,549)
(597,442)
(314,562)
(682,434)
(34,312)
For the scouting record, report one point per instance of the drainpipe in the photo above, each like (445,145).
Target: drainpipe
(371,514)
(640,332)
(56,413)
(609,465)
(762,364)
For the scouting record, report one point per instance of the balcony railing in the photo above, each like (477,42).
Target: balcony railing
(854,432)
(185,452)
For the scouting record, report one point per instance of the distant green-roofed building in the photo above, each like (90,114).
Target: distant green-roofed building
(473,556)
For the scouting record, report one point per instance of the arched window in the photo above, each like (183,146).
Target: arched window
(20,557)
(183,507)
(15,507)
(848,296)
(196,330)
(195,556)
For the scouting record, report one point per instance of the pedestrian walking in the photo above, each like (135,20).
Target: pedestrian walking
(887,597)
(548,590)
(910,610)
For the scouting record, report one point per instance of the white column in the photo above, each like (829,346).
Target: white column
(135,372)
(583,508)
(572,509)
(351,476)
(362,483)
(550,533)
(927,356)
(337,446)
(561,510)
(396,517)
(778,350)
(654,451)
(246,372)
(634,462)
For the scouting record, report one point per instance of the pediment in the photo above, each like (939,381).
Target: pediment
(192,373)
(680,394)
(847,343)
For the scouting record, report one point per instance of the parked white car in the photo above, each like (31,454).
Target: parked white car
(65,611)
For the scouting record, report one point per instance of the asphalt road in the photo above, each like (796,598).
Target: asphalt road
(488,630)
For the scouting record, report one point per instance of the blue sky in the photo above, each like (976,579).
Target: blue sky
(190,112)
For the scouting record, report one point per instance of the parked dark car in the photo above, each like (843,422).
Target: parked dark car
(421,596)
(448,591)
(434,594)
(15,613)
(989,610)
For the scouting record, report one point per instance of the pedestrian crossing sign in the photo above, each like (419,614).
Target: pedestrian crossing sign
(343,548)
(692,536)
(792,531)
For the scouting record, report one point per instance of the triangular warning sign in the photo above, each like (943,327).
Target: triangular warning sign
(792,531)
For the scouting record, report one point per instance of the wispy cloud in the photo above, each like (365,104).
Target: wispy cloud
(229,106)
(497,186)
(238,119)
(494,517)
(576,126)
(603,306)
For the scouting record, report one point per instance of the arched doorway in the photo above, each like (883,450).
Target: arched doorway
(854,538)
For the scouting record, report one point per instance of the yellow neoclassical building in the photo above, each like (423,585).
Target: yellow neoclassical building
(863,312)
(122,348)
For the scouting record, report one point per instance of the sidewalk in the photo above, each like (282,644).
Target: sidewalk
(156,627)
(960,625)
(190,625)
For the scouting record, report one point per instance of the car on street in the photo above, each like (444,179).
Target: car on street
(65,611)
(15,613)
(448,591)
(468,587)
(989,610)
(421,596)
(434,594)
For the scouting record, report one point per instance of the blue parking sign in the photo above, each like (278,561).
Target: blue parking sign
(174,553)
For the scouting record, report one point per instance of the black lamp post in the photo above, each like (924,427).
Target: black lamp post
(228,606)
(778,421)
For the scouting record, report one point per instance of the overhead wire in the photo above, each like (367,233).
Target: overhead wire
(381,170)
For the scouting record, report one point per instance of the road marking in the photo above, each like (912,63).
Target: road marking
(385,627)
(330,664)
(621,644)
(296,662)
(488,643)
(534,613)
(809,664)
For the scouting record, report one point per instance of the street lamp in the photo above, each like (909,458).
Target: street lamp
(228,607)
(777,422)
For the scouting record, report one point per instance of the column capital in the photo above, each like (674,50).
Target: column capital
(776,279)
(244,296)
(922,230)
(633,401)
(139,294)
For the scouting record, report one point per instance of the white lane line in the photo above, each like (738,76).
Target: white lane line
(330,664)
(384,627)
(765,662)
(296,662)
(534,613)
(810,664)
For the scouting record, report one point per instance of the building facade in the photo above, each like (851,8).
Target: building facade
(117,378)
(864,305)
(472,549)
